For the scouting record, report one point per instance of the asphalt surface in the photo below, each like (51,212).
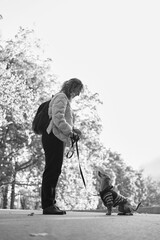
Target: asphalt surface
(23,225)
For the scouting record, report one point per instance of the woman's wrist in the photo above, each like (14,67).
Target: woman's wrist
(71,134)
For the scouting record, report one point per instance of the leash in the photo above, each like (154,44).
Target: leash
(70,153)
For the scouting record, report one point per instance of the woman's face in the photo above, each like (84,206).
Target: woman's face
(76,92)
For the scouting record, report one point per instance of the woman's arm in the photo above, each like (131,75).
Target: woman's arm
(58,114)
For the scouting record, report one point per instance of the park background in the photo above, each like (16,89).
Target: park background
(113,47)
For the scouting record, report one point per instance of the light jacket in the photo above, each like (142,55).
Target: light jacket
(61,123)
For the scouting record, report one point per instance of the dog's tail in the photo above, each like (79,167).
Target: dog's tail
(136,207)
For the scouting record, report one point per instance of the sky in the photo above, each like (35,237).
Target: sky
(113,47)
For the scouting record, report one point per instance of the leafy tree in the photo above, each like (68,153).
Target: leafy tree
(26,78)
(153,192)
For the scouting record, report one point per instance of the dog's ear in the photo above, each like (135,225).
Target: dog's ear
(100,174)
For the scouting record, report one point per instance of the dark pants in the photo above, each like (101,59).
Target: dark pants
(53,148)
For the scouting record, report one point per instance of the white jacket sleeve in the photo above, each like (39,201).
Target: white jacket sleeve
(59,114)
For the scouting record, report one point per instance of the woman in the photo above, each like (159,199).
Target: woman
(54,140)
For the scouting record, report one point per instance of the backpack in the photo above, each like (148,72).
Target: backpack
(41,119)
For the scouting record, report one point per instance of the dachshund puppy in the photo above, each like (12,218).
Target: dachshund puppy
(111,198)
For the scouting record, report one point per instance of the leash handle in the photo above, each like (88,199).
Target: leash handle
(71,150)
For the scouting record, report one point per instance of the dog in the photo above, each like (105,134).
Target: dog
(111,198)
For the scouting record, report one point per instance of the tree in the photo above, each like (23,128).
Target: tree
(152,197)
(26,78)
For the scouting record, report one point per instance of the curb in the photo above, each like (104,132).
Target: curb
(149,210)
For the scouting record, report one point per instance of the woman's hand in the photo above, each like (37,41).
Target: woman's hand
(77,131)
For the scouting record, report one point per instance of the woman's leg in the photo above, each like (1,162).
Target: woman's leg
(53,149)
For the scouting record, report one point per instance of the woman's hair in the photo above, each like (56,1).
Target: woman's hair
(69,86)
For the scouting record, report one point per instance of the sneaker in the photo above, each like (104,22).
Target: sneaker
(53,210)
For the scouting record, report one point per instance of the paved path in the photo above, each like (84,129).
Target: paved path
(17,225)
